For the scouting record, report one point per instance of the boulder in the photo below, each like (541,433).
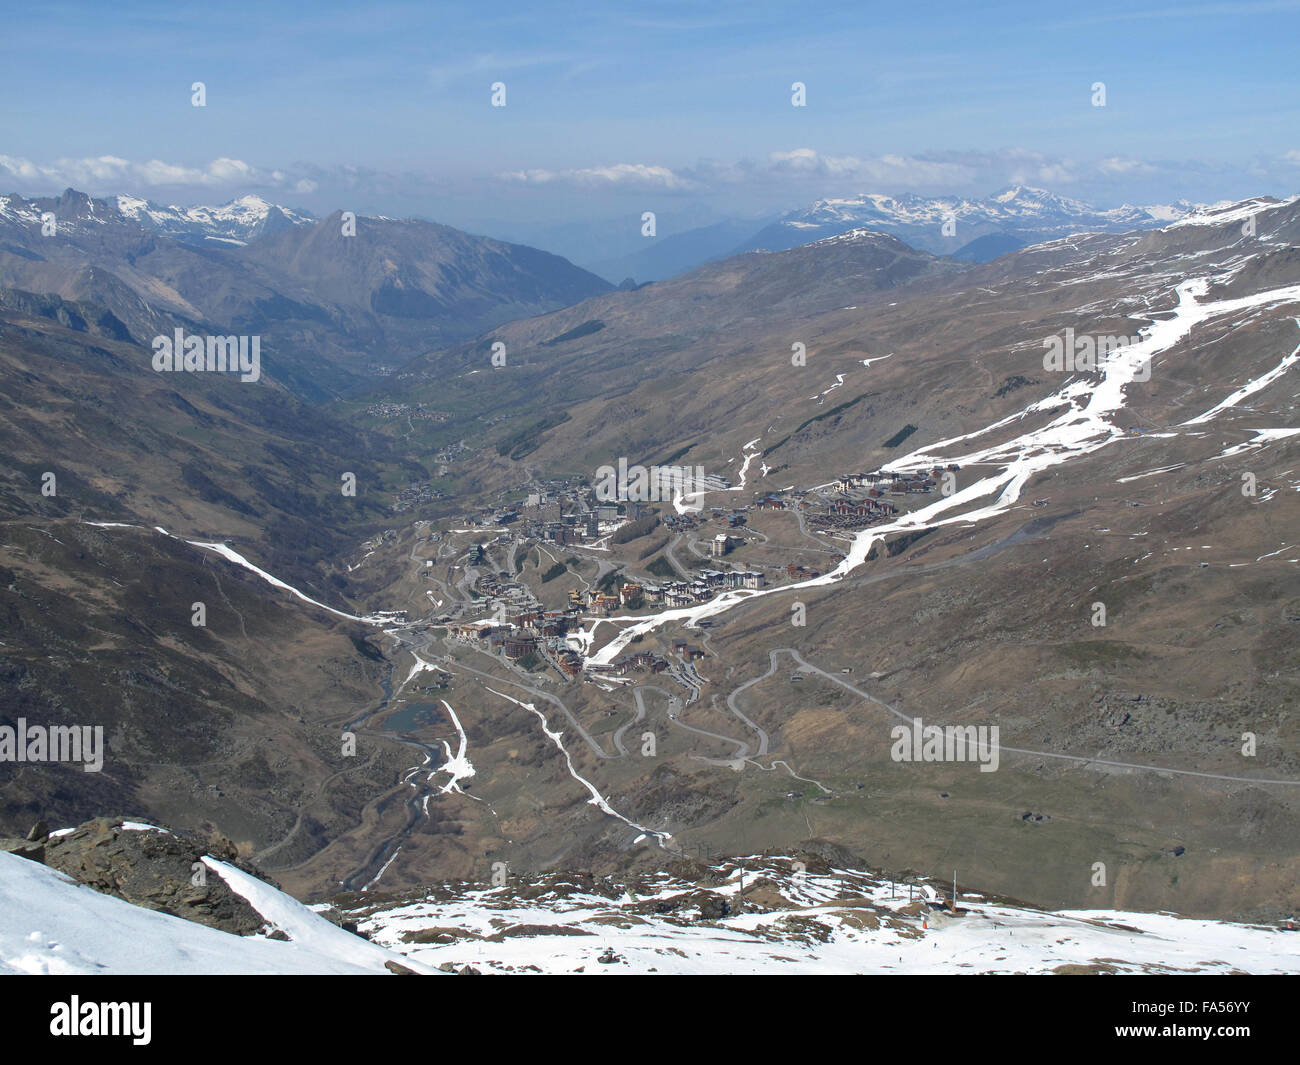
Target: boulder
(156,869)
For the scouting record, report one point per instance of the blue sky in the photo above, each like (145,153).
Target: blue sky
(613,108)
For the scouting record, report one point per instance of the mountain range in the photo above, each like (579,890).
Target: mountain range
(973,230)
(778,372)
(332,309)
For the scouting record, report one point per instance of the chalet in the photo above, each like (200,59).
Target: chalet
(639,660)
(846,508)
(630,595)
(570,663)
(517,646)
(604,605)
(472,630)
(553,623)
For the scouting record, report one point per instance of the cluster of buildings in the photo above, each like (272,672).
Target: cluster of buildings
(451,453)
(636,662)
(880,483)
(702,588)
(415,494)
(634,596)
(516,636)
(734,519)
(405,410)
(649,661)
(864,497)
(844,512)
(557,512)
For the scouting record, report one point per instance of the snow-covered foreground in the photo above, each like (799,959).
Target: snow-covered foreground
(797,922)
(49,924)
(759,914)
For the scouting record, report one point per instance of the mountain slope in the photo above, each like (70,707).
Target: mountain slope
(679,252)
(1123,740)
(1121,743)
(663,335)
(330,310)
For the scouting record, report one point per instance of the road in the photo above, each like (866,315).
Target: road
(808,667)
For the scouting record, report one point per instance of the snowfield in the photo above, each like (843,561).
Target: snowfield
(51,925)
(789,920)
(792,921)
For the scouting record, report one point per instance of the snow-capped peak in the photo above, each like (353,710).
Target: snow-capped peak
(939,224)
(237,221)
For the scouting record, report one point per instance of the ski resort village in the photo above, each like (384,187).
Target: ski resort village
(523,581)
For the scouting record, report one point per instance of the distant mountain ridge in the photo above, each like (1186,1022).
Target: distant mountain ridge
(1023,212)
(237,222)
(1013,218)
(330,301)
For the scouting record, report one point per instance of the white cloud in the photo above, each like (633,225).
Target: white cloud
(622,175)
(110,173)
(900,171)
(1117,165)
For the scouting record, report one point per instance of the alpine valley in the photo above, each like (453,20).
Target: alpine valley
(364,633)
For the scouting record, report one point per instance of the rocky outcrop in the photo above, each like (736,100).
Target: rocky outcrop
(147,866)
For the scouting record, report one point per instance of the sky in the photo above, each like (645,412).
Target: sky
(613,108)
